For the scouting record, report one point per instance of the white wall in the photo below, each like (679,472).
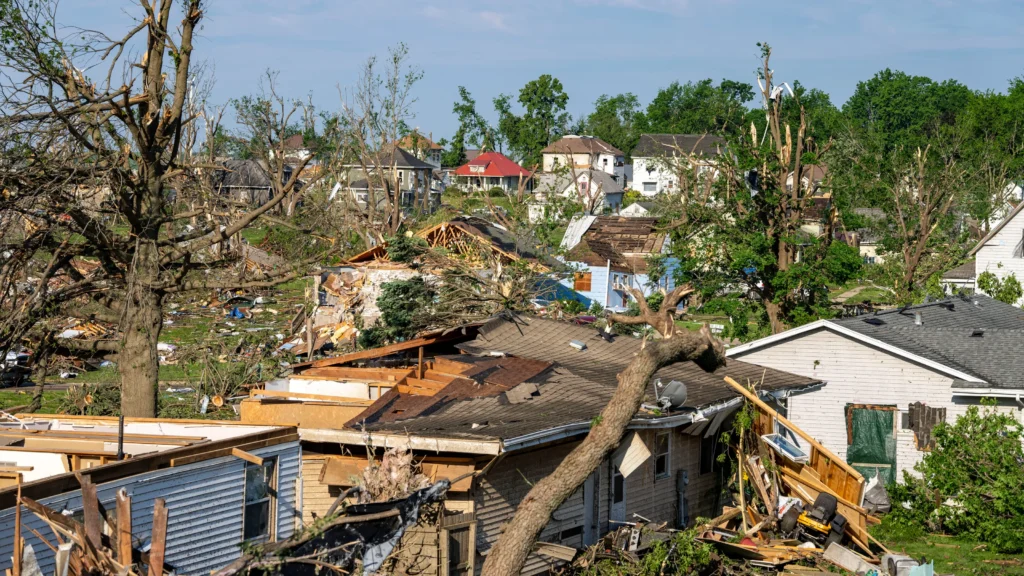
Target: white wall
(652,170)
(855,373)
(996,256)
(604,162)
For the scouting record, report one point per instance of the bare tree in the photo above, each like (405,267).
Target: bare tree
(91,161)
(509,554)
(375,113)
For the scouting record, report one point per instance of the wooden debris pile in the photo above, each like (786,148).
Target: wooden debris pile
(793,505)
(101,543)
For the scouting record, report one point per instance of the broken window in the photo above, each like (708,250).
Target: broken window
(661,455)
(260,500)
(618,487)
(922,419)
(581,282)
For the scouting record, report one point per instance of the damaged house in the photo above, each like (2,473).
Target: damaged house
(347,295)
(214,486)
(892,376)
(509,400)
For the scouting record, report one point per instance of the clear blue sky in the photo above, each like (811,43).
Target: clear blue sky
(593,46)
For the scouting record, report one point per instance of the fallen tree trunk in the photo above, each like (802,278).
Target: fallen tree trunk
(509,554)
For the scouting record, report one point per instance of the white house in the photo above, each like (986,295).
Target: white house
(658,158)
(891,376)
(598,192)
(584,153)
(1001,252)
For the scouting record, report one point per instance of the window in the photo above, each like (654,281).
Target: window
(618,486)
(401,177)
(458,543)
(581,282)
(708,453)
(604,162)
(650,186)
(260,500)
(661,455)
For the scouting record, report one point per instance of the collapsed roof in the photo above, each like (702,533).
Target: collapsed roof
(622,242)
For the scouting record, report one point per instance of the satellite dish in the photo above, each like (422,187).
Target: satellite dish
(673,395)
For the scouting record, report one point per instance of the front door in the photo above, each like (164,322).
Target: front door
(617,496)
(871,438)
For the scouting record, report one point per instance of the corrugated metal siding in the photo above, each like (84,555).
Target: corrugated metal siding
(504,487)
(204,501)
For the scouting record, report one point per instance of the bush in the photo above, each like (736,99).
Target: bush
(970,483)
(573,307)
(403,305)
(1007,290)
(405,248)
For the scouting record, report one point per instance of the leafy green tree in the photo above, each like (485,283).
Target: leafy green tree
(543,120)
(614,121)
(905,110)
(1006,290)
(697,108)
(970,481)
(403,305)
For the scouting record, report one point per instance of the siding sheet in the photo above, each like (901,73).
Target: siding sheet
(855,373)
(656,498)
(997,255)
(204,501)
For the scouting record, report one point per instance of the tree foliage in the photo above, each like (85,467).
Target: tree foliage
(543,121)
(1006,289)
(970,482)
(615,120)
(697,108)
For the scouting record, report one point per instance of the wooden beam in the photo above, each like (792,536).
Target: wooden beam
(158,538)
(220,453)
(304,396)
(16,468)
(239,453)
(91,513)
(124,527)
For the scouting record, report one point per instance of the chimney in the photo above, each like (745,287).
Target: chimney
(917,319)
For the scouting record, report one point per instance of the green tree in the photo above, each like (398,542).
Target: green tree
(1006,290)
(697,108)
(905,110)
(614,121)
(543,120)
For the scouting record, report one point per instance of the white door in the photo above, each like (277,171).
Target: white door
(617,496)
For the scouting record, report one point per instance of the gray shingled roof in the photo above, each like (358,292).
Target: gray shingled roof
(976,335)
(601,362)
(577,386)
(660,145)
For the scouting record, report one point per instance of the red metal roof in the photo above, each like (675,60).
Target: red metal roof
(494,164)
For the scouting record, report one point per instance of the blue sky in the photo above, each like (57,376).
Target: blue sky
(593,46)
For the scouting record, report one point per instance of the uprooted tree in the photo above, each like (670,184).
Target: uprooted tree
(676,344)
(94,168)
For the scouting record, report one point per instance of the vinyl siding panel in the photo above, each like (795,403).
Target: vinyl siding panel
(656,498)
(996,256)
(856,373)
(204,501)
(503,488)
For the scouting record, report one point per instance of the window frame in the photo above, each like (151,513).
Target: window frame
(712,445)
(653,186)
(270,499)
(667,455)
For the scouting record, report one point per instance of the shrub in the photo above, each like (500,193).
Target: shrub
(1007,290)
(970,483)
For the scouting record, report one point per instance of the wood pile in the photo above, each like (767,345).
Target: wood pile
(752,531)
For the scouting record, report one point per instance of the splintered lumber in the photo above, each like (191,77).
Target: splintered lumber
(835,473)
(252,458)
(158,538)
(124,527)
(91,513)
(756,473)
(727,514)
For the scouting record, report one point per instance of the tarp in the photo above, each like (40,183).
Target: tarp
(872,442)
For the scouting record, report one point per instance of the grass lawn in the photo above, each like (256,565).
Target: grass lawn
(959,557)
(11,397)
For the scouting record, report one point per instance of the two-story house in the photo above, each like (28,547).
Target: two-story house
(658,159)
(492,170)
(584,153)
(595,191)
(398,167)
(611,254)
(423,148)
(1000,252)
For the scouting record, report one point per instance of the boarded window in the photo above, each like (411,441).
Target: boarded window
(458,543)
(661,455)
(581,282)
(922,420)
(260,500)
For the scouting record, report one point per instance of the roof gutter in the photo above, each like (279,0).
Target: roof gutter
(412,441)
(1015,393)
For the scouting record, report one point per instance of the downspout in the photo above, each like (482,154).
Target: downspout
(607,282)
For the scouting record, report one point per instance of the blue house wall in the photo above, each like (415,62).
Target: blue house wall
(602,290)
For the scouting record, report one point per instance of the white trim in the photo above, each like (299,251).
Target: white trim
(853,334)
(413,441)
(1015,393)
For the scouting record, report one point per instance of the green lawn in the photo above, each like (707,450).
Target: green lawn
(959,557)
(11,397)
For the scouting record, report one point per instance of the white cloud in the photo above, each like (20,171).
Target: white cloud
(495,20)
